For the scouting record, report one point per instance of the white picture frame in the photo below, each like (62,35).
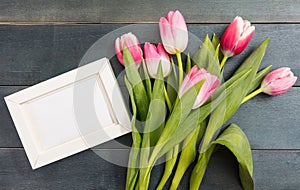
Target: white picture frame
(69,113)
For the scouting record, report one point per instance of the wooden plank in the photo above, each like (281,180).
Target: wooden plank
(35,53)
(133,11)
(31,54)
(272,170)
(269,122)
(11,138)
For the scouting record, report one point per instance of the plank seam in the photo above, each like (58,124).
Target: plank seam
(150,22)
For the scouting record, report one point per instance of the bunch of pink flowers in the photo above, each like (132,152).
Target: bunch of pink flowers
(201,93)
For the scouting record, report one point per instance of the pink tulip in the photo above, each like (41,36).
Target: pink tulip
(173,32)
(278,81)
(210,84)
(236,37)
(133,45)
(153,56)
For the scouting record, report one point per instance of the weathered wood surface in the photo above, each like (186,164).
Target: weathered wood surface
(273,170)
(111,11)
(35,52)
(31,54)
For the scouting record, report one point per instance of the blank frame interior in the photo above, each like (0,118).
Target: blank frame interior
(69,113)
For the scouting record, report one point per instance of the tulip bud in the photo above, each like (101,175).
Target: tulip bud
(133,45)
(278,81)
(210,84)
(153,56)
(173,32)
(236,37)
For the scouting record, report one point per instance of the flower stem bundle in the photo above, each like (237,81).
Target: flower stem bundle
(182,109)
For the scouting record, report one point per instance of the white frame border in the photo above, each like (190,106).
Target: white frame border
(38,157)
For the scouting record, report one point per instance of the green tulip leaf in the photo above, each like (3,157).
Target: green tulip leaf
(205,53)
(140,94)
(259,78)
(132,171)
(255,59)
(155,118)
(233,100)
(237,142)
(146,79)
(214,68)
(215,41)
(157,108)
(154,123)
(207,57)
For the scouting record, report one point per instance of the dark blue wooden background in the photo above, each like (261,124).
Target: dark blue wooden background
(41,39)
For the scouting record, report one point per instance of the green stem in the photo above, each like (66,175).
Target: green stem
(256,92)
(176,101)
(180,68)
(187,156)
(223,62)
(144,178)
(171,158)
(200,168)
(167,99)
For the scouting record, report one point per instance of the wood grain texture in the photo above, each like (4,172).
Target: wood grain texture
(269,122)
(31,54)
(272,170)
(103,11)
(7,127)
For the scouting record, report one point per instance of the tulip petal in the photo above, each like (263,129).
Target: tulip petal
(137,54)
(167,67)
(193,77)
(130,40)
(162,52)
(133,38)
(281,86)
(231,35)
(151,51)
(166,35)
(276,74)
(247,24)
(153,56)
(166,64)
(244,40)
(118,51)
(179,30)
(211,83)
(193,71)
(152,66)
(278,81)
(169,16)
(117,45)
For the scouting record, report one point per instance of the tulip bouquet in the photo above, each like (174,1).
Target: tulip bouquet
(180,119)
